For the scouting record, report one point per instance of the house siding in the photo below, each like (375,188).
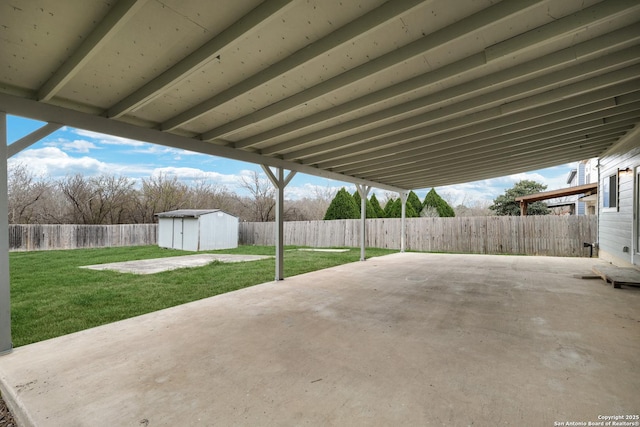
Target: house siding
(580,206)
(616,227)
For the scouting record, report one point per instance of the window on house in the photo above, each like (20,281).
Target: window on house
(610,192)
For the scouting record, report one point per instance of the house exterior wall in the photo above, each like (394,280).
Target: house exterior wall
(580,209)
(218,230)
(618,226)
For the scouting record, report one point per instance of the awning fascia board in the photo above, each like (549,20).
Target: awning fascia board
(55,114)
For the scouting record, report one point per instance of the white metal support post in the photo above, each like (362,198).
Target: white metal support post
(403,223)
(7,151)
(279,181)
(5,289)
(363,190)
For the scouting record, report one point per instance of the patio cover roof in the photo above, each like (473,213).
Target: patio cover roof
(399,95)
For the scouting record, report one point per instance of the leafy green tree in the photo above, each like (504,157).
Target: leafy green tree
(342,207)
(376,206)
(506,204)
(434,201)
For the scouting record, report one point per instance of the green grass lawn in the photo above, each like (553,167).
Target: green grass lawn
(51,296)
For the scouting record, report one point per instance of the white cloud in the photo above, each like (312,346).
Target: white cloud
(193,174)
(156,150)
(139,147)
(488,189)
(311,191)
(53,162)
(107,139)
(78,146)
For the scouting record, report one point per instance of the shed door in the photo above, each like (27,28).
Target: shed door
(178,233)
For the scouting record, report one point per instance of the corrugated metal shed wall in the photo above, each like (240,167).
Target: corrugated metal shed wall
(190,237)
(165,232)
(218,230)
(208,231)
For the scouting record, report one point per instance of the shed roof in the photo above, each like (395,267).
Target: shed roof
(188,213)
(403,94)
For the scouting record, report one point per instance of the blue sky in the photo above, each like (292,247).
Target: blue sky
(69,151)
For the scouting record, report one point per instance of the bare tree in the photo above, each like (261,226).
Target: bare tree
(113,198)
(474,208)
(261,203)
(79,194)
(204,194)
(28,196)
(104,199)
(160,194)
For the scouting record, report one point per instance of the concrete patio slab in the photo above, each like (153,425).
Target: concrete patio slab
(158,265)
(405,339)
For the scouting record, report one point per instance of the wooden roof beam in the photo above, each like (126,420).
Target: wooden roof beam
(198,58)
(115,19)
(478,21)
(359,27)
(579,189)
(622,37)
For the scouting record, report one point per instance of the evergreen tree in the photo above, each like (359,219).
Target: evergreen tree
(393,209)
(506,204)
(376,206)
(371,212)
(357,198)
(415,202)
(410,211)
(433,200)
(388,208)
(342,207)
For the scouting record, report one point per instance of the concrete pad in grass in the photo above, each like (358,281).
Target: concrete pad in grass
(157,265)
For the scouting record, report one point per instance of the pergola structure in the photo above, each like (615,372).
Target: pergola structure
(586,189)
(397,95)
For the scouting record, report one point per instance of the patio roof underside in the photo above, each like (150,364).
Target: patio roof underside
(402,94)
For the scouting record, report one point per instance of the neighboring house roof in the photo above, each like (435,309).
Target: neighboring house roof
(572,175)
(188,213)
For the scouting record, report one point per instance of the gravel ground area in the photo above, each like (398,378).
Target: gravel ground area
(6,419)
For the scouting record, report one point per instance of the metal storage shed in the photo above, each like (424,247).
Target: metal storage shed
(197,229)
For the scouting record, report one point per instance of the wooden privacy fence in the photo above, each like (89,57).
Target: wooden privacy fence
(529,235)
(34,237)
